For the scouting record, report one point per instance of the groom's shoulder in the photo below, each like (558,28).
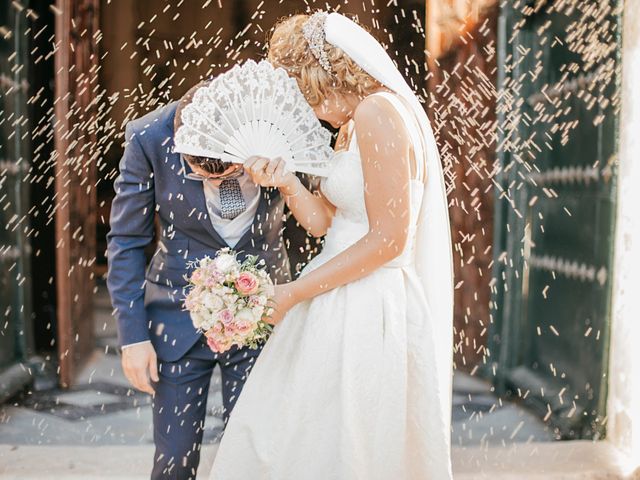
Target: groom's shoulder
(157,121)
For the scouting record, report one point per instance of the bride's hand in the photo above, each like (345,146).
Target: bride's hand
(269,172)
(283,300)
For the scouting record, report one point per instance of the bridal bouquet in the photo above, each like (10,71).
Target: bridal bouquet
(227,300)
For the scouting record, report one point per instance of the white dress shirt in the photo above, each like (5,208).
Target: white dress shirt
(232,230)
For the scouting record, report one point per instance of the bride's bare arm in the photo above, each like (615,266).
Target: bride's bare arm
(385,152)
(312,210)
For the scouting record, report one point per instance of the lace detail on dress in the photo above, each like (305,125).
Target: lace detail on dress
(344,187)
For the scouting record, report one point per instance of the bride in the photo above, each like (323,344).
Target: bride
(355,382)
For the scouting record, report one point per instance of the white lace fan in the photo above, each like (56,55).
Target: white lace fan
(254,109)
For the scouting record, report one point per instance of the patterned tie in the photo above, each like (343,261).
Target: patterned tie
(232,202)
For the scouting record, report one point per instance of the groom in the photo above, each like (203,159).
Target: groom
(202,205)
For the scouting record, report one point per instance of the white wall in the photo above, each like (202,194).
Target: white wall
(624,372)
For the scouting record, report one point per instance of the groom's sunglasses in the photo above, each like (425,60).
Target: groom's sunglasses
(231,172)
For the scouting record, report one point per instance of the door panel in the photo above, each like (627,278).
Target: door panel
(553,251)
(15,299)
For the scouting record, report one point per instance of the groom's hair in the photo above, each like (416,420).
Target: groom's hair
(208,164)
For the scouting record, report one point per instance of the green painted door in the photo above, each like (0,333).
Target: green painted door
(15,302)
(555,209)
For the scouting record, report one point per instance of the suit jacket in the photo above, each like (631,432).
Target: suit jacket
(148,301)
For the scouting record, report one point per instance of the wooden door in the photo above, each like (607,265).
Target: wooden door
(558,63)
(75,85)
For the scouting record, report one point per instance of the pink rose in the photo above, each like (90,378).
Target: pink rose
(244,322)
(257,301)
(230,329)
(218,344)
(214,276)
(217,339)
(247,283)
(215,330)
(226,317)
(242,327)
(196,277)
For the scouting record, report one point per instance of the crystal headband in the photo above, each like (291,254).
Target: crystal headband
(313,32)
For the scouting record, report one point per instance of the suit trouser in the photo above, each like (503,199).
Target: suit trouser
(180,401)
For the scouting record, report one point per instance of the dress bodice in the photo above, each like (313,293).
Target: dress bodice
(344,187)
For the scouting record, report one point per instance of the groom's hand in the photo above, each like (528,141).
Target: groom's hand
(140,363)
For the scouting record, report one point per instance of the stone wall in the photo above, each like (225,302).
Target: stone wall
(624,372)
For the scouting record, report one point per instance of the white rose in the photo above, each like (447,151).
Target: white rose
(226,263)
(218,291)
(205,261)
(198,319)
(207,323)
(258,312)
(213,302)
(245,315)
(230,300)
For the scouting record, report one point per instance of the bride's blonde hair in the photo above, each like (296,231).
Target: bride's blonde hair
(289,49)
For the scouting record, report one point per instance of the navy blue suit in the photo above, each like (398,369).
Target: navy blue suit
(148,300)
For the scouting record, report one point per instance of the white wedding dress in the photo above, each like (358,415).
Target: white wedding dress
(347,386)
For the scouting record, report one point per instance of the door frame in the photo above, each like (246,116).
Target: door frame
(18,372)
(76,65)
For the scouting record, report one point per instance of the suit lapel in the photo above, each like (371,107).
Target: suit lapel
(193,193)
(258,220)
